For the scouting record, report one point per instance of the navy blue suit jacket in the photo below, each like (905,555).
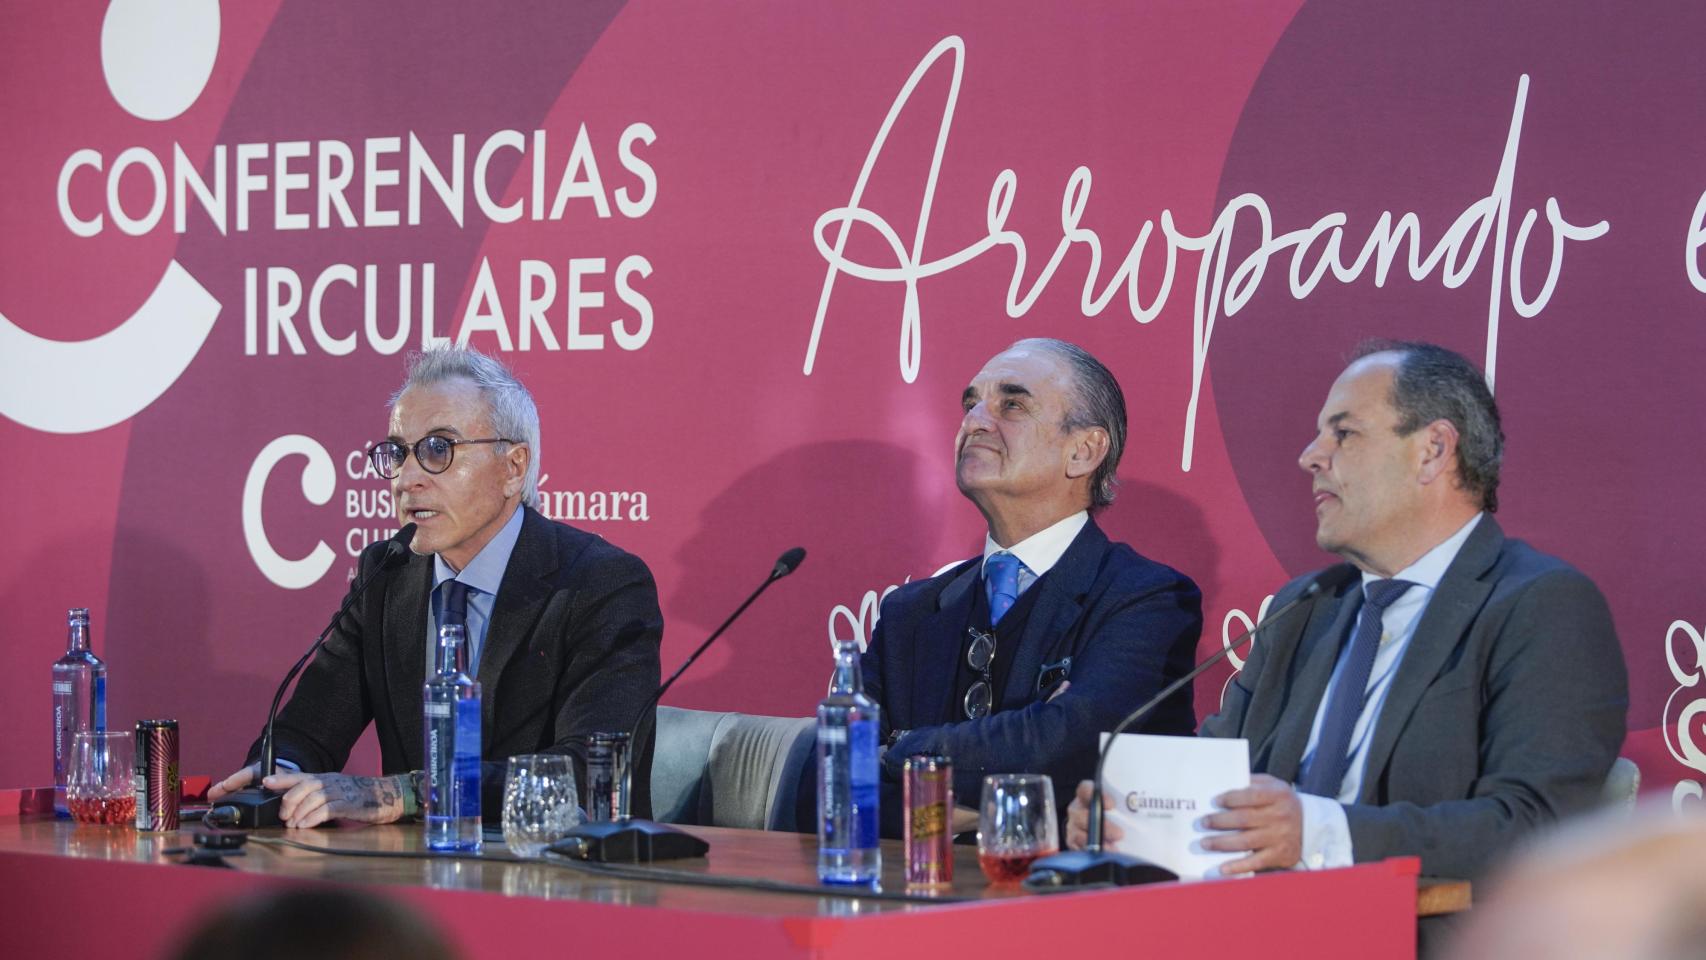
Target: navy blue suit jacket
(1129,624)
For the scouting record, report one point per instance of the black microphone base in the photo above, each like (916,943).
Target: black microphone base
(256,808)
(1080,868)
(629,841)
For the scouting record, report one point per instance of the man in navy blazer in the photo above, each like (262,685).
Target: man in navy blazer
(1017,660)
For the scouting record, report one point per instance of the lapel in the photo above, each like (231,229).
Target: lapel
(1451,610)
(404,641)
(937,644)
(1306,676)
(1058,608)
(527,585)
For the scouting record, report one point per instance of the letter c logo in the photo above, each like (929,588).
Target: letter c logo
(319,480)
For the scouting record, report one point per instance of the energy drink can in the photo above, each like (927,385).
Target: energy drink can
(608,775)
(157,775)
(928,787)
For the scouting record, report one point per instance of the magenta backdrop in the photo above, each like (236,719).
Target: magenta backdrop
(748,255)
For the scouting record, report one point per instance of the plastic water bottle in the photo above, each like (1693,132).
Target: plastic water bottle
(847,723)
(452,704)
(79,700)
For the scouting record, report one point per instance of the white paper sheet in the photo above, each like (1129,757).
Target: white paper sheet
(1163,788)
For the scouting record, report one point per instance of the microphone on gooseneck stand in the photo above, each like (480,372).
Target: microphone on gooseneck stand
(643,841)
(256,806)
(1093,865)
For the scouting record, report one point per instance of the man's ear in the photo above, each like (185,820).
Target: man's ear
(515,468)
(1438,451)
(1089,448)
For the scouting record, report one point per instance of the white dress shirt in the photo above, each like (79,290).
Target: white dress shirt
(1039,552)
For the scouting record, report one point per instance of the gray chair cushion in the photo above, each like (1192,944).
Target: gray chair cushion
(729,769)
(745,772)
(678,762)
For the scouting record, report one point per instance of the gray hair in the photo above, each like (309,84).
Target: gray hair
(508,404)
(1097,401)
(1433,383)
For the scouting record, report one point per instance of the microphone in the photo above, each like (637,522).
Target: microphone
(1093,865)
(643,841)
(256,806)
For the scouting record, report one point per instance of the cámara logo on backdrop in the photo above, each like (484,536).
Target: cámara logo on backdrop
(361,498)
(157,61)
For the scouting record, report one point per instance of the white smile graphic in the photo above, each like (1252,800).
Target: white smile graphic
(77,387)
(156,58)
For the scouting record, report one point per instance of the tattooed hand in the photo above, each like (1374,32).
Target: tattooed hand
(312,798)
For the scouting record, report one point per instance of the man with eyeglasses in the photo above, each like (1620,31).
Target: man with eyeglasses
(563,627)
(1016,660)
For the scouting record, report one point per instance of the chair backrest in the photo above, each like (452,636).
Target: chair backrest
(729,769)
(1622,784)
(683,746)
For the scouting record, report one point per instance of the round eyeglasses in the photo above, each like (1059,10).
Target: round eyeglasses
(434,453)
(980,654)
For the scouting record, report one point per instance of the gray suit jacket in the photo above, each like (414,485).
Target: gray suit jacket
(1506,712)
(572,650)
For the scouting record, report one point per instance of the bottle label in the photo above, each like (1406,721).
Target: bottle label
(466,765)
(438,709)
(62,688)
(862,747)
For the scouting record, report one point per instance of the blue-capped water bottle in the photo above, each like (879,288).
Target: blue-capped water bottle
(79,699)
(452,703)
(847,722)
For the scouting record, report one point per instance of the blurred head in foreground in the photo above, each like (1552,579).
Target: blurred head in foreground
(1609,886)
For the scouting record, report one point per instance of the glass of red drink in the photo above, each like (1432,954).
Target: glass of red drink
(101,787)
(1015,825)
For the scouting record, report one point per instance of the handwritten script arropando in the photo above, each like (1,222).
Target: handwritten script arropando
(1222,286)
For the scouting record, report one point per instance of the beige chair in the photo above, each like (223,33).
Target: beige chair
(730,769)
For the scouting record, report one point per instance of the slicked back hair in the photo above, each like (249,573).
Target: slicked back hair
(509,406)
(1432,383)
(1097,401)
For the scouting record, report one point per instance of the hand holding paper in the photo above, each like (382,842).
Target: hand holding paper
(1163,790)
(1265,818)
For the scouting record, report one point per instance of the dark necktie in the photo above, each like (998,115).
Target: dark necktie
(1344,705)
(1001,581)
(455,604)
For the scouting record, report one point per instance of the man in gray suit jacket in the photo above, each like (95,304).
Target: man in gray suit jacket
(563,627)
(1449,689)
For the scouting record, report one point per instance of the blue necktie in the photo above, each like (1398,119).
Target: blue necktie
(455,604)
(1001,583)
(1344,705)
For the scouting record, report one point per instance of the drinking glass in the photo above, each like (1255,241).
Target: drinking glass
(101,787)
(1015,825)
(541,804)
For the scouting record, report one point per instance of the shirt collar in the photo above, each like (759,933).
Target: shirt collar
(485,572)
(1041,550)
(1427,571)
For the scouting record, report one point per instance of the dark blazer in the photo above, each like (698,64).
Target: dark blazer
(1506,712)
(1129,624)
(572,650)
